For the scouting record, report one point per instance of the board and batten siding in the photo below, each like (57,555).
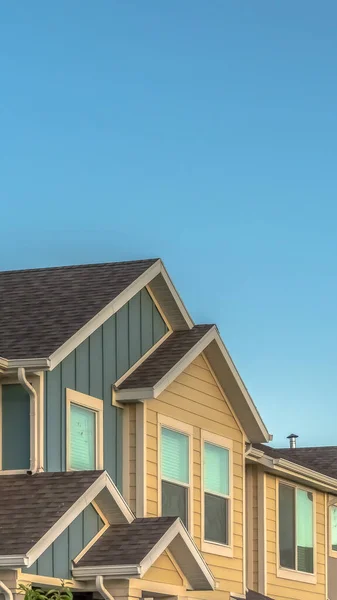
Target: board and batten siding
(56,560)
(92,368)
(286,589)
(195,398)
(15,424)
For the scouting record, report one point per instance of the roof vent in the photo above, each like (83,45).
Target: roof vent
(292,440)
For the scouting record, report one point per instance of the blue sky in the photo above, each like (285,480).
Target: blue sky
(204,132)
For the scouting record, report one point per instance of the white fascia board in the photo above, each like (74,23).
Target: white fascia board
(3,364)
(176,297)
(103,481)
(176,529)
(109,310)
(184,362)
(242,387)
(30,364)
(13,560)
(282,466)
(134,394)
(110,571)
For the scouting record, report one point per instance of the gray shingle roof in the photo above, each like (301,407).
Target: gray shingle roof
(126,544)
(40,309)
(322,459)
(31,504)
(158,364)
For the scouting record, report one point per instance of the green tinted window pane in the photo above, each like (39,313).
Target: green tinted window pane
(82,438)
(174,501)
(333,528)
(216,519)
(305,531)
(174,455)
(216,469)
(287,529)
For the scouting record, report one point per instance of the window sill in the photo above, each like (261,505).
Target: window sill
(296,575)
(15,472)
(215,548)
(333,553)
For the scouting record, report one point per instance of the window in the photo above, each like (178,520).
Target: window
(85,432)
(296,529)
(175,469)
(333,529)
(216,459)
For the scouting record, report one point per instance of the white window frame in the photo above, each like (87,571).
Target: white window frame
(95,405)
(332,553)
(184,428)
(294,574)
(206,545)
(37,381)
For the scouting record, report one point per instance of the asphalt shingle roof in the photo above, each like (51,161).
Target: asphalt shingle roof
(31,504)
(322,459)
(40,309)
(126,544)
(158,364)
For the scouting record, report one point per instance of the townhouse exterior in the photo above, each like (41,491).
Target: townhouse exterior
(133,461)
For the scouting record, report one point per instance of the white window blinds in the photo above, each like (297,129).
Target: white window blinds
(82,438)
(174,456)
(216,469)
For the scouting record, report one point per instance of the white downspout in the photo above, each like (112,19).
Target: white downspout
(6,591)
(33,418)
(100,588)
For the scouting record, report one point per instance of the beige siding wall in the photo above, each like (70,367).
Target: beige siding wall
(285,589)
(164,571)
(132,456)
(255,531)
(195,399)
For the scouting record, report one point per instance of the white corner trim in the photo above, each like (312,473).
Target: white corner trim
(103,481)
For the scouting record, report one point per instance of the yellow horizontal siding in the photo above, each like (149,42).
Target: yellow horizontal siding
(285,589)
(195,399)
(164,571)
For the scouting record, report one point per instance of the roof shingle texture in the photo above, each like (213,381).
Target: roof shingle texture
(31,504)
(322,459)
(40,309)
(126,544)
(158,364)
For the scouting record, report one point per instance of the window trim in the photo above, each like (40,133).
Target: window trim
(206,545)
(332,553)
(293,574)
(91,403)
(184,428)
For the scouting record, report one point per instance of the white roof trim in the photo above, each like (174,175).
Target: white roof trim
(13,560)
(202,576)
(111,571)
(141,394)
(281,466)
(30,364)
(115,305)
(177,529)
(103,481)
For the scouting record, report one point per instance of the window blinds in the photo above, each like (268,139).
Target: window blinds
(216,469)
(82,438)
(174,456)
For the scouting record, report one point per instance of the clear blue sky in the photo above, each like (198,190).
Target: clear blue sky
(204,132)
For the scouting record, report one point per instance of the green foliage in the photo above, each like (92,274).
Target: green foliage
(32,593)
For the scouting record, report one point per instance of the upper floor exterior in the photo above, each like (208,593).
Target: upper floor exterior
(103,369)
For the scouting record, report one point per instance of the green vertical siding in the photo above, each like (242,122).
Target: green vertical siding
(93,368)
(15,428)
(56,560)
